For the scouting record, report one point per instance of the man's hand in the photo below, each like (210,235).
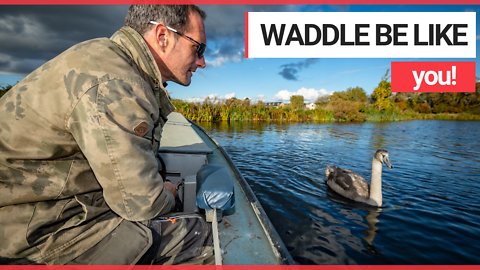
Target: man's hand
(170,187)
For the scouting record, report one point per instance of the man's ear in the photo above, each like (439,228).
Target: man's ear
(162,40)
(161,33)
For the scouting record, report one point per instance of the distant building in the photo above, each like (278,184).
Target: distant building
(273,104)
(311,106)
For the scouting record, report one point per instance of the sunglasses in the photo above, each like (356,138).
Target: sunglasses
(201,47)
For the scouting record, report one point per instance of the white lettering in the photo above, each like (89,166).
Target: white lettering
(418,79)
(433,77)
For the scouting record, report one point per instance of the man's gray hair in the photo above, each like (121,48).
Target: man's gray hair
(175,16)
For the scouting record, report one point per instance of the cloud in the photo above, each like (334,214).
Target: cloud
(230,95)
(216,60)
(214,97)
(309,94)
(290,71)
(32,35)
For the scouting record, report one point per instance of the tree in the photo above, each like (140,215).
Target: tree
(381,94)
(322,100)
(4,89)
(296,101)
(246,102)
(351,94)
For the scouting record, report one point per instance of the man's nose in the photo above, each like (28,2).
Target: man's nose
(201,62)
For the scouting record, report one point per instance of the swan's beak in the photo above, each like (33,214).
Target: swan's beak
(387,162)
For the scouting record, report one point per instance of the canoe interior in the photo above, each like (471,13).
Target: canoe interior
(246,236)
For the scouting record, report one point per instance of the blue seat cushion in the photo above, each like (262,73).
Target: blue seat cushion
(215,188)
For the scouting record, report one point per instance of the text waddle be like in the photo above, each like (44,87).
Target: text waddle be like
(385,34)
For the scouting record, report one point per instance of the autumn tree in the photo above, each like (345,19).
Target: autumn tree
(297,101)
(351,94)
(381,94)
(349,105)
(322,100)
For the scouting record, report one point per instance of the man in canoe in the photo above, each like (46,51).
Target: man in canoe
(80,179)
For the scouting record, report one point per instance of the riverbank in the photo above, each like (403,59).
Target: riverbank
(241,110)
(423,116)
(351,105)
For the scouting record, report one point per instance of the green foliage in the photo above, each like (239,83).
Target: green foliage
(297,101)
(348,111)
(349,105)
(351,94)
(4,89)
(322,115)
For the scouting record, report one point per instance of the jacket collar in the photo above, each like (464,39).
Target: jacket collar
(133,44)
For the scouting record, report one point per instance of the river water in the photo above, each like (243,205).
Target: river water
(431,211)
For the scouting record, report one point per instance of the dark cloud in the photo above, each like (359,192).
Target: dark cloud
(290,71)
(31,35)
(4,64)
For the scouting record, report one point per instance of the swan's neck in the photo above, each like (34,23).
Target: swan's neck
(376,182)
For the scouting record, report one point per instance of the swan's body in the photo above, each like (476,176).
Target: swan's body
(354,187)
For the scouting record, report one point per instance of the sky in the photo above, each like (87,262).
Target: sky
(31,35)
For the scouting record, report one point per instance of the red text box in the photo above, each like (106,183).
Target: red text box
(433,77)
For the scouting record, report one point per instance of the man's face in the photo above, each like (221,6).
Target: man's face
(183,59)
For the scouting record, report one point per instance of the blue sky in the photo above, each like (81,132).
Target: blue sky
(43,33)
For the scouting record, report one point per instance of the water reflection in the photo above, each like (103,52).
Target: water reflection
(378,136)
(371,232)
(363,215)
(344,132)
(253,127)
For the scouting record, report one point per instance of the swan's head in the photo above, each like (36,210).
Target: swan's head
(382,156)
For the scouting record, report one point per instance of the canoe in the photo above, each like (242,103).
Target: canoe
(247,237)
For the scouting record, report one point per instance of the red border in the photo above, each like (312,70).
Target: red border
(239,2)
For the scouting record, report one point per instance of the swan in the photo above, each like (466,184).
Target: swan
(354,187)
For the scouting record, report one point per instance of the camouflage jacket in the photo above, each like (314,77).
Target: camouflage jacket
(78,142)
